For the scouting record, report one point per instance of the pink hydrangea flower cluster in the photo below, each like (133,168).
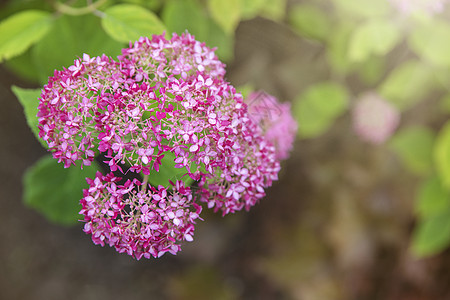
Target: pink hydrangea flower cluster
(275,119)
(374,119)
(162,98)
(139,222)
(429,7)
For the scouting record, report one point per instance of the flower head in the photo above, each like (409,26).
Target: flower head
(140,222)
(163,99)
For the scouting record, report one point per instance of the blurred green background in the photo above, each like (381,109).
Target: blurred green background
(362,207)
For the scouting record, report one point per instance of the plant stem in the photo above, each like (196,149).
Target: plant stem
(144,183)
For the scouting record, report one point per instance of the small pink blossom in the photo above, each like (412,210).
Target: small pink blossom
(374,119)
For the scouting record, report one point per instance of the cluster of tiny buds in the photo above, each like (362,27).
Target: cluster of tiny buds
(162,98)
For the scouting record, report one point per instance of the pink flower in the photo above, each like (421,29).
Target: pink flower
(162,98)
(98,103)
(275,120)
(408,7)
(139,222)
(374,119)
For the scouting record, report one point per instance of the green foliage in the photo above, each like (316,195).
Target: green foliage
(14,6)
(432,234)
(153,5)
(21,30)
(431,40)
(414,146)
(432,198)
(226,13)
(251,8)
(75,36)
(127,22)
(54,191)
(337,50)
(274,9)
(24,67)
(371,71)
(245,90)
(217,38)
(318,107)
(441,155)
(310,21)
(182,15)
(407,84)
(168,172)
(374,37)
(29,98)
(444,104)
(358,39)
(363,8)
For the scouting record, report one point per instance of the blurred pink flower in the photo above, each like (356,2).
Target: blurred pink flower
(430,7)
(374,119)
(275,120)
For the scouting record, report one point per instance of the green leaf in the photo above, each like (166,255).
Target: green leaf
(68,40)
(251,8)
(415,148)
(375,37)
(432,235)
(24,67)
(441,155)
(442,76)
(21,30)
(310,21)
(444,104)
(245,89)
(432,198)
(54,191)
(337,50)
(372,70)
(12,7)
(318,107)
(225,13)
(431,41)
(29,98)
(407,84)
(168,172)
(153,5)
(128,22)
(363,8)
(223,41)
(274,9)
(182,15)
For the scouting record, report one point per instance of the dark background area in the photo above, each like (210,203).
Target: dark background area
(337,225)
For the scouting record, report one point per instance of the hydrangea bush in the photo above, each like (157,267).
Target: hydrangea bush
(162,104)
